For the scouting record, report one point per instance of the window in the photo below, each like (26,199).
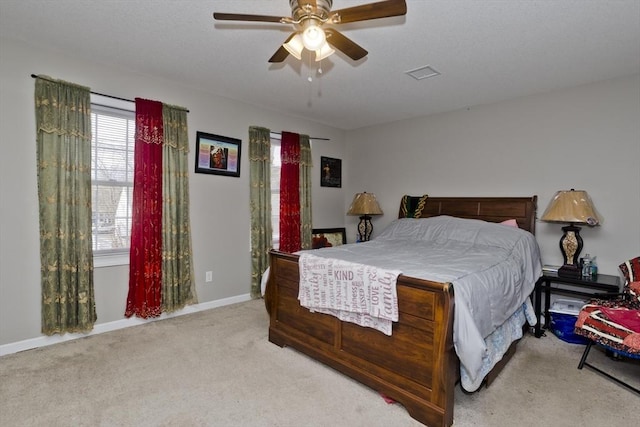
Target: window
(275,189)
(112,154)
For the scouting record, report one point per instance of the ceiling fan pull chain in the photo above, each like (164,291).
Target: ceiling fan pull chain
(310,95)
(309,68)
(320,78)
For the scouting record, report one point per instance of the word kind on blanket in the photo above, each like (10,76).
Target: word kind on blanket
(356,293)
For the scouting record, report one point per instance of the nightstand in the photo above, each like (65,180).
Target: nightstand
(587,288)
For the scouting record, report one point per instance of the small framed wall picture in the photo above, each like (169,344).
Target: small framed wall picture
(217,155)
(330,172)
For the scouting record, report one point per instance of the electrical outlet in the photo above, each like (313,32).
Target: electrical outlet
(208,276)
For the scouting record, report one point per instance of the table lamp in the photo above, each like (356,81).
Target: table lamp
(365,205)
(573,207)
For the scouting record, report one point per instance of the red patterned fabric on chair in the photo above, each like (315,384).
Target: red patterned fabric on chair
(614,324)
(605,326)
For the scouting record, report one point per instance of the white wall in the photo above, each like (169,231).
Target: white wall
(587,137)
(214,199)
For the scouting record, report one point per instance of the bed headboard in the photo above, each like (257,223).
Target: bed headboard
(493,209)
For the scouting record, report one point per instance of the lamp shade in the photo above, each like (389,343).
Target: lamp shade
(324,51)
(364,204)
(294,46)
(572,206)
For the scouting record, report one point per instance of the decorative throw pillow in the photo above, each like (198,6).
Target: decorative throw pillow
(411,206)
(631,269)
(631,272)
(634,291)
(510,223)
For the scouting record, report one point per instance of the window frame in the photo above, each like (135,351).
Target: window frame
(275,141)
(119,256)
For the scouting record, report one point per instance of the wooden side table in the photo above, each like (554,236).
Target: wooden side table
(589,286)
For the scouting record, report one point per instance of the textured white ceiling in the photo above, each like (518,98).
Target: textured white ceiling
(485,50)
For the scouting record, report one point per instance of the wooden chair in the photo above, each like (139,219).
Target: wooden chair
(614,324)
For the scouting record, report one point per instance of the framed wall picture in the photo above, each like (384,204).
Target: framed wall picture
(218,155)
(330,172)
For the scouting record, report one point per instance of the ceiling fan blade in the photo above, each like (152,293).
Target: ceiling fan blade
(344,44)
(242,17)
(382,9)
(282,53)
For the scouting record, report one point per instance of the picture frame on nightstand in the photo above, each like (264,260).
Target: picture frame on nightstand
(328,237)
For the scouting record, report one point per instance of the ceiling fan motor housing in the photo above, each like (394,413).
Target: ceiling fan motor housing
(302,9)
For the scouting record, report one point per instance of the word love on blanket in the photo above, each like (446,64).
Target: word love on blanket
(356,293)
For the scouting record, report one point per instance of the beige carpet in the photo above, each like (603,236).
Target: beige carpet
(216,368)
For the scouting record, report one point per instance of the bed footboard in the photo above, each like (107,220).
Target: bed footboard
(416,366)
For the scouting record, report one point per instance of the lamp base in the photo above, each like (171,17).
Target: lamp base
(571,245)
(365,228)
(569,270)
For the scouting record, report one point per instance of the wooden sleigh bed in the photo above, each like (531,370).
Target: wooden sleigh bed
(417,365)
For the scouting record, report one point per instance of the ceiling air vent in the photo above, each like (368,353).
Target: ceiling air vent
(423,72)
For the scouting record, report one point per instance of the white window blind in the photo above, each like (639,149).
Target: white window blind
(275,189)
(112,156)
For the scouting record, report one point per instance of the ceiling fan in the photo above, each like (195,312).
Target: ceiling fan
(309,18)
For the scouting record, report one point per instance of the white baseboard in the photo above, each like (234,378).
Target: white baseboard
(44,341)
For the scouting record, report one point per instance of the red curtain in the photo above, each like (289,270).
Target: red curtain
(145,268)
(290,192)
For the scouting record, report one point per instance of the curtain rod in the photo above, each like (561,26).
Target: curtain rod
(311,137)
(98,93)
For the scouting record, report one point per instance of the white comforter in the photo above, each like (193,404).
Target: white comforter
(493,269)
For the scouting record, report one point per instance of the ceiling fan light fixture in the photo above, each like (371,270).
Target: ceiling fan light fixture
(313,37)
(308,18)
(324,51)
(295,46)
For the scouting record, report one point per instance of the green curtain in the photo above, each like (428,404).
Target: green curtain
(306,223)
(63,136)
(178,284)
(259,203)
